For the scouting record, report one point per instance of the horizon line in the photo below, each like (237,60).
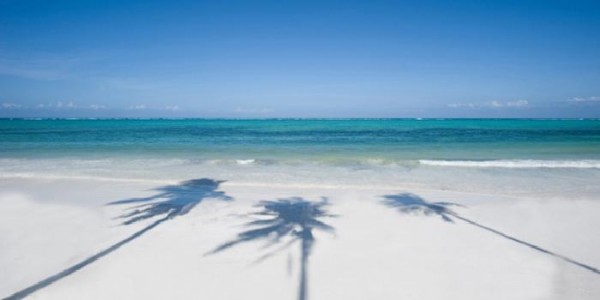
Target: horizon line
(294,118)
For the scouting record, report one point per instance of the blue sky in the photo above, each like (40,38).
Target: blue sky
(260,59)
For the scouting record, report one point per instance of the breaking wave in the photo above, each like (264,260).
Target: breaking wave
(515,164)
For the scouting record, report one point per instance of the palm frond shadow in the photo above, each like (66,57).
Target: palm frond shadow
(172,200)
(413,204)
(169,202)
(291,218)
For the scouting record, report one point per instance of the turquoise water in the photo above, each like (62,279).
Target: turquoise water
(541,158)
(335,141)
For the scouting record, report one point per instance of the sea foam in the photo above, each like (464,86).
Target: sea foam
(515,164)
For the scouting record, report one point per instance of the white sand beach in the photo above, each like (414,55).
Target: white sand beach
(414,246)
(299,150)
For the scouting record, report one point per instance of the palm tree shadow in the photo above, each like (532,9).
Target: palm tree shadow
(411,203)
(170,202)
(293,218)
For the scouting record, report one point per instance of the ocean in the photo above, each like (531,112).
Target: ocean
(535,157)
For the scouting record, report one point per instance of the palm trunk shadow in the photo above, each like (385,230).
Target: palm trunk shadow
(56,277)
(306,250)
(171,202)
(535,247)
(411,203)
(293,217)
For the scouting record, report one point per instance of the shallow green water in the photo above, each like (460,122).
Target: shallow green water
(336,141)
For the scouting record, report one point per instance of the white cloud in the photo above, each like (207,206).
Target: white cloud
(97,106)
(144,106)
(496,104)
(69,104)
(492,104)
(591,99)
(458,105)
(517,103)
(57,105)
(10,105)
